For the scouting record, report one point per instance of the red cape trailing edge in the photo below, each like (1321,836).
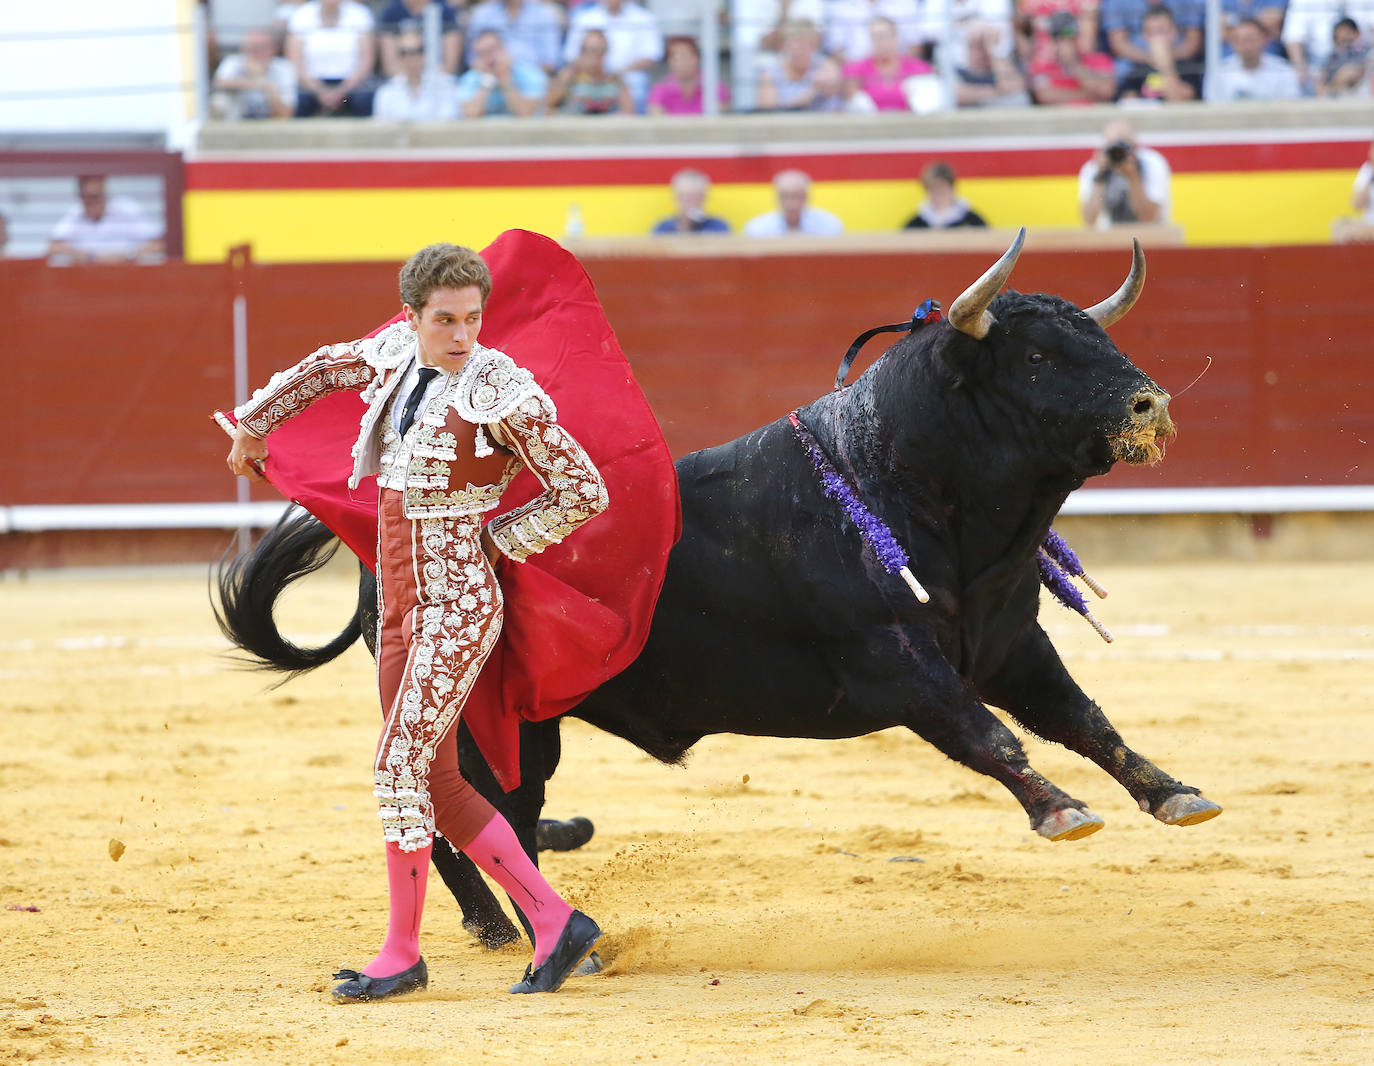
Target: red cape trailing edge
(579,612)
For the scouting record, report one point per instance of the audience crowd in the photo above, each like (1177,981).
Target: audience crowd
(406,60)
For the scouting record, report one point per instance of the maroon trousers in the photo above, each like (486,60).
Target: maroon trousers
(439,615)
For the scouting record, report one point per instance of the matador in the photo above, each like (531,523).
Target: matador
(447,425)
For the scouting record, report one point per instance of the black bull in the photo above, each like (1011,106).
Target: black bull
(775,618)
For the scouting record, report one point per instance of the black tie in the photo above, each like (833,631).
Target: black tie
(412,407)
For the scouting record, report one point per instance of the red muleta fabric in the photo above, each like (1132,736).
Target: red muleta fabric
(579,612)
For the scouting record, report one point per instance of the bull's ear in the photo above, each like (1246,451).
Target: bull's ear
(969,314)
(1114,307)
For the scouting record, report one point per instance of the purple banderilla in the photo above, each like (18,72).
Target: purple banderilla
(1053,555)
(872,529)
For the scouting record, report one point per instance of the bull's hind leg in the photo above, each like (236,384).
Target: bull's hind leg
(1034,687)
(966,731)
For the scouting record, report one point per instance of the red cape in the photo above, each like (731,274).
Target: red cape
(578,613)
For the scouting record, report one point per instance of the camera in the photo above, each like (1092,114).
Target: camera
(1118,152)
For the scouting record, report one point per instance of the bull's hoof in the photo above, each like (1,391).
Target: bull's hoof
(1184,808)
(553,835)
(493,933)
(1069,824)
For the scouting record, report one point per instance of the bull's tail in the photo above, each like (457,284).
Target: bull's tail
(250,584)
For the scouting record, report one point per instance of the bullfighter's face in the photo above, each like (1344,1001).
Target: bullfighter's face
(446,327)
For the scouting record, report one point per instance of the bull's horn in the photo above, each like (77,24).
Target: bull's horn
(969,314)
(1114,307)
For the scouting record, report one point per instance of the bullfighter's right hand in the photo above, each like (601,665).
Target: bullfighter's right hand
(247,454)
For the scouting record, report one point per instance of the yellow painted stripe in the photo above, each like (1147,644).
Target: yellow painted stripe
(1283,207)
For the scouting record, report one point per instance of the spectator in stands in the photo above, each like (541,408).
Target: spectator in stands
(254,83)
(1346,70)
(1308,31)
(1068,75)
(882,74)
(1124,182)
(102,228)
(1250,72)
(586,87)
(1164,77)
(416,94)
(787,80)
(956,26)
(757,37)
(985,77)
(680,92)
(847,35)
(632,34)
(690,189)
(835,92)
(1124,23)
(794,215)
(497,85)
(332,47)
(532,30)
(943,207)
(1036,17)
(401,17)
(1268,13)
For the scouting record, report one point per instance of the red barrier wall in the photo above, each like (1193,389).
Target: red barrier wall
(111,371)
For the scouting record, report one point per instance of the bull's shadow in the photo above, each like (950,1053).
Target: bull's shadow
(777,618)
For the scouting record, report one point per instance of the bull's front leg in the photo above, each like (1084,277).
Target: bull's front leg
(1034,687)
(918,688)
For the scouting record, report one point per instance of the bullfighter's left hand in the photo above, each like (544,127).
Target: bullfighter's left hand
(247,454)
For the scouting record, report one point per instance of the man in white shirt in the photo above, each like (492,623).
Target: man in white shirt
(103,229)
(416,94)
(794,215)
(1124,182)
(254,83)
(1251,72)
(634,41)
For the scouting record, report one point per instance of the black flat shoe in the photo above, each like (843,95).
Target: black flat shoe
(575,943)
(552,835)
(360,988)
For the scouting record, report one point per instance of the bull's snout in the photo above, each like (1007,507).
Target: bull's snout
(1148,405)
(1146,428)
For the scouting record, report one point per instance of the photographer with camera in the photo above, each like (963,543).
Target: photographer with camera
(1123,182)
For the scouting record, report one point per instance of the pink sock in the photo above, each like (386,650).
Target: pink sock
(407,873)
(498,854)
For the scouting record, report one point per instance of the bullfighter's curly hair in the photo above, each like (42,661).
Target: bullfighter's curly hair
(442,266)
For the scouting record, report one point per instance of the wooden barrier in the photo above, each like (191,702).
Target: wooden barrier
(112,371)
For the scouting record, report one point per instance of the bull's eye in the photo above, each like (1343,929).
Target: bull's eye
(1035,358)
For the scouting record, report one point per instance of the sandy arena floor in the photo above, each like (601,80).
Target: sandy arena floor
(777,901)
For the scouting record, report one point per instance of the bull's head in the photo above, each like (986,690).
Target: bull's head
(1043,360)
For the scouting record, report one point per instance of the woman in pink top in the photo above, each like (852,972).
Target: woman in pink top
(680,92)
(881,74)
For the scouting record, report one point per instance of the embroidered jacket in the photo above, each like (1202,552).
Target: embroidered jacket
(443,464)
